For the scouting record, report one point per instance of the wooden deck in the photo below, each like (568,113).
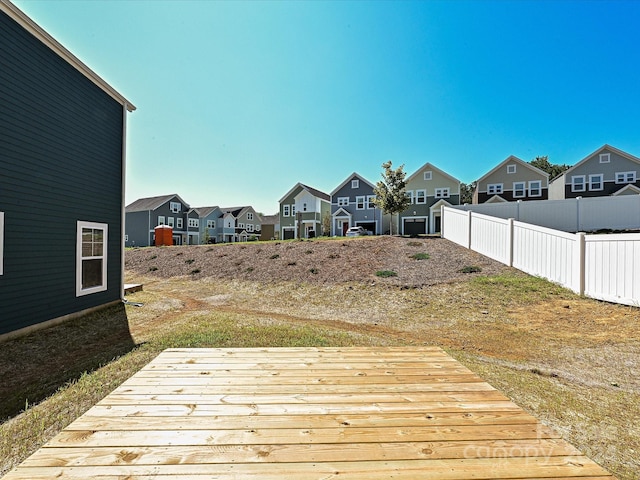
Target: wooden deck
(307,413)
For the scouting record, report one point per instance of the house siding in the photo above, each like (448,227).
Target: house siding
(57,130)
(366,216)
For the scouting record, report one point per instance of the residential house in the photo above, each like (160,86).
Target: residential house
(607,171)
(512,180)
(62,144)
(210,223)
(429,188)
(240,224)
(270,227)
(145,214)
(303,210)
(352,205)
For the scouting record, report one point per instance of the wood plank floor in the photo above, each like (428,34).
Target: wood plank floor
(307,413)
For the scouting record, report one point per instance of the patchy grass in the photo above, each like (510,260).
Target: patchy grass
(421,256)
(471,269)
(386,273)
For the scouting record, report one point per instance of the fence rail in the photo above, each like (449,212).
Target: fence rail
(605,267)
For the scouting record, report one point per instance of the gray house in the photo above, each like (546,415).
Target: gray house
(511,180)
(62,150)
(352,205)
(145,214)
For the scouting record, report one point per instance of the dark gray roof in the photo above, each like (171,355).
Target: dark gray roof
(271,219)
(204,211)
(151,203)
(317,193)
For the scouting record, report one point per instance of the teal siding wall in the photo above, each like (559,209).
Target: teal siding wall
(61,161)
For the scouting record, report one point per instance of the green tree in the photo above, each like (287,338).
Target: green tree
(466,192)
(390,191)
(326,224)
(543,163)
(206,237)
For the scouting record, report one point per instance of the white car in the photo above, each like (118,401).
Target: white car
(355,232)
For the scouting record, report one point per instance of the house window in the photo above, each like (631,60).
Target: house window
(360,203)
(595,182)
(257,227)
(178,223)
(194,223)
(126,239)
(371,202)
(285,210)
(91,258)
(577,183)
(605,158)
(175,207)
(170,221)
(293,210)
(625,177)
(409,195)
(343,201)
(494,188)
(535,188)
(211,224)
(304,207)
(442,192)
(421,196)
(249,216)
(511,169)
(240,225)
(1,242)
(428,175)
(355,183)
(249,227)
(519,189)
(160,219)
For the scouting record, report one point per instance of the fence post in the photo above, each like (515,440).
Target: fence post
(578,205)
(579,262)
(441,221)
(510,236)
(469,216)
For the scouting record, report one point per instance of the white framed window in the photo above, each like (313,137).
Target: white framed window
(370,202)
(293,209)
(211,224)
(161,220)
(578,183)
(178,222)
(170,221)
(355,183)
(91,257)
(535,188)
(194,223)
(494,188)
(519,189)
(175,207)
(343,201)
(360,202)
(304,207)
(421,196)
(625,177)
(229,223)
(249,227)
(605,158)
(258,227)
(595,182)
(511,169)
(1,243)
(240,225)
(249,216)
(428,175)
(285,210)
(442,192)
(409,195)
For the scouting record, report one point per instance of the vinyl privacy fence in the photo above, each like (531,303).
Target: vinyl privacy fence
(606,267)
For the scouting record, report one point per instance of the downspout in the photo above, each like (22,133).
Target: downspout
(124,176)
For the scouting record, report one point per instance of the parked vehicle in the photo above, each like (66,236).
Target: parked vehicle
(355,232)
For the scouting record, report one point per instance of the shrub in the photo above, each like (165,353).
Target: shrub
(291,264)
(420,256)
(249,269)
(309,252)
(314,270)
(386,273)
(470,269)
(194,271)
(274,256)
(414,244)
(189,261)
(153,269)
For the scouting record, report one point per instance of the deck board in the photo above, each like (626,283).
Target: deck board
(307,413)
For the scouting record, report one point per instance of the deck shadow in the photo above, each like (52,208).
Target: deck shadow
(35,366)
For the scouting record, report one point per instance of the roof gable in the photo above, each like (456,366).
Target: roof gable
(353,176)
(152,203)
(509,159)
(311,190)
(593,155)
(430,166)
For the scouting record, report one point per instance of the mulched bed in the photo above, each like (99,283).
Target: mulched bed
(317,261)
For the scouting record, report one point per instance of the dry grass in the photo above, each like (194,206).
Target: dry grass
(572,362)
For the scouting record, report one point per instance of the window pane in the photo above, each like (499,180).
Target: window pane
(91,273)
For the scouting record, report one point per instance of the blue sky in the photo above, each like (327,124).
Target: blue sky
(239,101)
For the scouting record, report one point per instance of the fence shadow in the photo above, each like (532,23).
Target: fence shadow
(35,366)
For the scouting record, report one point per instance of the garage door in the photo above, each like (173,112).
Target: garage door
(369,226)
(415,226)
(288,234)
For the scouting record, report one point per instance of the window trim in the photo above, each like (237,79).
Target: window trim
(293,209)
(539,194)
(343,201)
(624,179)
(286,210)
(361,201)
(175,207)
(421,200)
(605,158)
(179,222)
(355,183)
(161,221)
(409,195)
(591,177)
(495,188)
(249,216)
(443,192)
(193,223)
(211,224)
(511,169)
(516,189)
(170,221)
(370,202)
(573,183)
(428,175)
(81,225)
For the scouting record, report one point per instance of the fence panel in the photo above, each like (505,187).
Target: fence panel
(615,213)
(455,226)
(556,214)
(547,253)
(490,236)
(612,268)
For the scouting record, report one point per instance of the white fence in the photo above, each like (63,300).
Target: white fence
(570,215)
(606,267)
